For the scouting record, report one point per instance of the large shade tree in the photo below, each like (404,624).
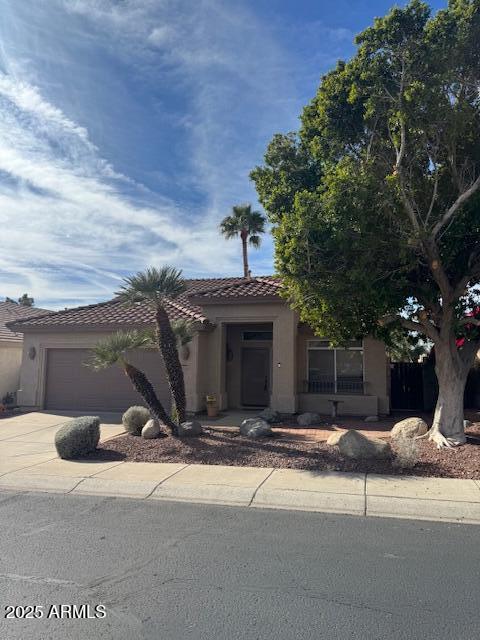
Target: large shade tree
(246,224)
(376,201)
(155,286)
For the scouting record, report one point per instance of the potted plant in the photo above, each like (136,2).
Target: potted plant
(212,406)
(8,400)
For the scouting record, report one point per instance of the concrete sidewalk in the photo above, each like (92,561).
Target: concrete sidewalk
(28,462)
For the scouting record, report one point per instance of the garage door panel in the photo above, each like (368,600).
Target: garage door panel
(71,385)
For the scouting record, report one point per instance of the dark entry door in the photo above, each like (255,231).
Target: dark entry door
(255,377)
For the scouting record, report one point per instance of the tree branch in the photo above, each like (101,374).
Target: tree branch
(437,270)
(469,320)
(425,326)
(433,200)
(463,197)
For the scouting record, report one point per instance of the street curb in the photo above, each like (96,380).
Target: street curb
(367,495)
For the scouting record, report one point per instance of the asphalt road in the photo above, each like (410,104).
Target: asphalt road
(172,571)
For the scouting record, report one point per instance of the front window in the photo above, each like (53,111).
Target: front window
(338,370)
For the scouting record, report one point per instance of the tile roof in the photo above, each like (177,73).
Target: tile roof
(261,287)
(117,313)
(9,311)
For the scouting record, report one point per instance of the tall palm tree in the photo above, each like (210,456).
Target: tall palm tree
(114,350)
(248,225)
(155,285)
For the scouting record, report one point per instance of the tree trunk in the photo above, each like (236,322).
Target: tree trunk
(244,237)
(452,371)
(167,344)
(146,390)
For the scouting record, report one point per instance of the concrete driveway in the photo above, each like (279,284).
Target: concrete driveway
(28,439)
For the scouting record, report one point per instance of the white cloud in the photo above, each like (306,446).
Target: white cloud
(161,36)
(68,232)
(72,229)
(28,99)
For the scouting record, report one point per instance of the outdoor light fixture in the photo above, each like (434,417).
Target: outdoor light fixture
(32,352)
(279,364)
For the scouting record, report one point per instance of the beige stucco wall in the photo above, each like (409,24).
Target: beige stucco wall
(10,361)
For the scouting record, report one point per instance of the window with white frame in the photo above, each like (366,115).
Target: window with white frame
(335,370)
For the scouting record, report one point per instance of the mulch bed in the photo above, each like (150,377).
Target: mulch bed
(230,448)
(9,413)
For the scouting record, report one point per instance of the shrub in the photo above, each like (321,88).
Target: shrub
(406,452)
(78,437)
(134,419)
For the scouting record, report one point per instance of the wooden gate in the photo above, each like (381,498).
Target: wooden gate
(407,386)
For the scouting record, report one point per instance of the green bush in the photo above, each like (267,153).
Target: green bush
(78,437)
(134,419)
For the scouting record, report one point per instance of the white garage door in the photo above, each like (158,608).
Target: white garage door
(71,385)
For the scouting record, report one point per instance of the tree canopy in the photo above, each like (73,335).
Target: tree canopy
(375,201)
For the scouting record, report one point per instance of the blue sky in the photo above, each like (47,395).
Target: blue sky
(128,129)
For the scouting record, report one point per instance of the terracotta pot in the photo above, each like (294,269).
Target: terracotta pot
(212,410)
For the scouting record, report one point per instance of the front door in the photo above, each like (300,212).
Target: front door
(255,377)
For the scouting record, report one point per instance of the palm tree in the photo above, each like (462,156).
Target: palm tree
(155,285)
(183,331)
(113,350)
(248,225)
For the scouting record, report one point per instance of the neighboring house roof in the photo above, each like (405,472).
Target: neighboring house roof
(9,312)
(186,307)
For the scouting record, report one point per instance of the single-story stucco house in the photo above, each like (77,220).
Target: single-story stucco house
(249,350)
(11,345)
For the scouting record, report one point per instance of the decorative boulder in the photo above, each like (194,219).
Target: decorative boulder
(334,438)
(269,415)
(371,419)
(409,428)
(255,428)
(191,428)
(151,429)
(353,444)
(134,419)
(78,437)
(306,419)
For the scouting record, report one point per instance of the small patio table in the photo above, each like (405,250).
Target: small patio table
(335,404)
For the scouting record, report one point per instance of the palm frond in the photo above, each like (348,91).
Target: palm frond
(153,284)
(255,241)
(113,349)
(229,227)
(243,219)
(183,330)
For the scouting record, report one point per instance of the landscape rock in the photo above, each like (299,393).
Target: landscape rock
(306,419)
(190,428)
(353,444)
(269,415)
(151,429)
(135,418)
(255,428)
(409,428)
(334,438)
(371,419)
